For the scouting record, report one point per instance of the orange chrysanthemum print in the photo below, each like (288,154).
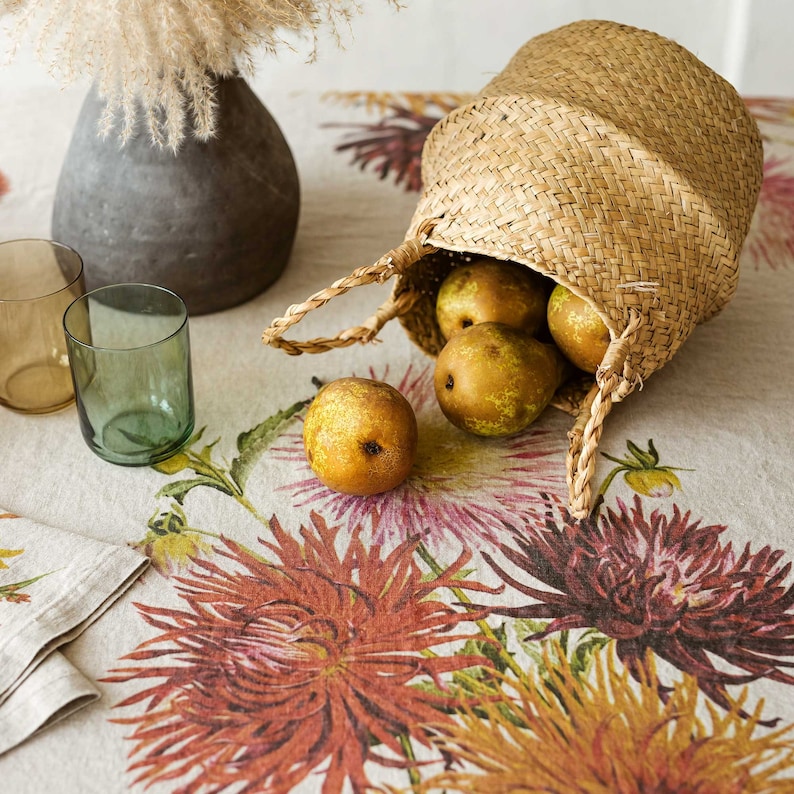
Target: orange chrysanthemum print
(606,734)
(308,664)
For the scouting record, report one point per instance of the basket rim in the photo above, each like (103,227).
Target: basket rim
(634,148)
(614,329)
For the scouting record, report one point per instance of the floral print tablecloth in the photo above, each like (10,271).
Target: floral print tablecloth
(462,632)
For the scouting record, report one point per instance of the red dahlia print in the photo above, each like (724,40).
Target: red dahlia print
(4,186)
(306,664)
(659,583)
(771,239)
(393,145)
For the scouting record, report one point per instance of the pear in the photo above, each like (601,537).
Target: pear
(490,290)
(577,329)
(360,436)
(492,379)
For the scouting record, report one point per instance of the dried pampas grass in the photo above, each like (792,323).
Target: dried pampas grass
(159,59)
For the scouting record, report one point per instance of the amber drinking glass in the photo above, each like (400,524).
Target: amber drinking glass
(38,280)
(129,350)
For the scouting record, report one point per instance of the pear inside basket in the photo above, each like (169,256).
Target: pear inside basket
(606,158)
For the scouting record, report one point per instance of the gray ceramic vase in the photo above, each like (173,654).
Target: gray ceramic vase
(214,223)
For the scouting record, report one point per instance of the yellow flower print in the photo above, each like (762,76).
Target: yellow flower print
(642,472)
(605,735)
(6,553)
(171,543)
(652,482)
(174,550)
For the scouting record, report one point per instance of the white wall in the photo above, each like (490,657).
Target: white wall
(769,56)
(457,45)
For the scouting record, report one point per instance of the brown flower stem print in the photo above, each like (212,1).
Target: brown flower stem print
(657,583)
(320,658)
(606,734)
(432,103)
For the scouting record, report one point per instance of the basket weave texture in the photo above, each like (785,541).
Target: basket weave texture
(606,157)
(610,159)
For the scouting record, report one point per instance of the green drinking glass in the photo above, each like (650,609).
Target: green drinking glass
(129,353)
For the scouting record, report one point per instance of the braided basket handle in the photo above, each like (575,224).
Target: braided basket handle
(396,261)
(613,383)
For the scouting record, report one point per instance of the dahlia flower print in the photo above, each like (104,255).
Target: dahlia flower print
(461,487)
(771,239)
(4,186)
(392,146)
(658,583)
(607,734)
(774,116)
(309,658)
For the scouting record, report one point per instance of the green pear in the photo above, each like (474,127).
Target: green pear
(494,380)
(490,290)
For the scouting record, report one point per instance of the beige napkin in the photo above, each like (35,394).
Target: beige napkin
(53,584)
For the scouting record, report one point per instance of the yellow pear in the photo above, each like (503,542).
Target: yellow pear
(360,436)
(577,329)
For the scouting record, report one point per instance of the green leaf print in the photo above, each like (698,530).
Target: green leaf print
(253,443)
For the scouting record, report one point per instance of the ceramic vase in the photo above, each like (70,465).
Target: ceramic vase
(214,222)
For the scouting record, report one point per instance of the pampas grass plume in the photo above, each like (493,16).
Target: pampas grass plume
(158,60)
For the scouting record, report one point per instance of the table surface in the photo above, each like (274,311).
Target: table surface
(289,638)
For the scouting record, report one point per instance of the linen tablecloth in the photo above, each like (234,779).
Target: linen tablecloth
(461,632)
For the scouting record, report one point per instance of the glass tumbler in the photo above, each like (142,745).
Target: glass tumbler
(129,351)
(38,280)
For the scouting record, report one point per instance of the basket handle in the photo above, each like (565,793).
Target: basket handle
(396,261)
(613,383)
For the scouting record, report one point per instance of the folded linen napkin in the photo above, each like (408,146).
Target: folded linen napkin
(53,584)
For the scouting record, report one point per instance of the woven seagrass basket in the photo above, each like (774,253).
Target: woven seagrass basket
(605,157)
